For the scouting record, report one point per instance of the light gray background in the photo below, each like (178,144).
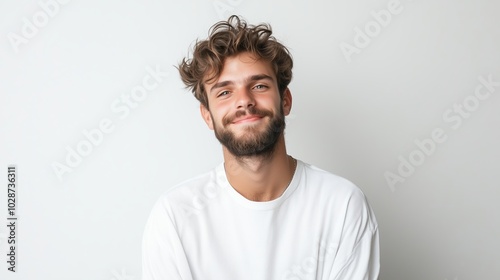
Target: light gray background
(354,116)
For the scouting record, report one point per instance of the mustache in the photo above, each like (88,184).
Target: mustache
(250,111)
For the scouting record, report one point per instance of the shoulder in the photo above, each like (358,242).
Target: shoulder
(188,195)
(336,193)
(328,182)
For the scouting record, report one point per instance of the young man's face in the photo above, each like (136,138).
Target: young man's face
(246,111)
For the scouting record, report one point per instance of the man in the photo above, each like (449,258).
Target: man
(260,215)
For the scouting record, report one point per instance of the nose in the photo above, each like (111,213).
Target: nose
(245,99)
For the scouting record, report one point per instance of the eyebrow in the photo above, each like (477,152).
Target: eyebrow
(252,78)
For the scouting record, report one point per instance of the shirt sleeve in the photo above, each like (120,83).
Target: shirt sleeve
(163,256)
(358,256)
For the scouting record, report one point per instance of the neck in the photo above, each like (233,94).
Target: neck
(260,178)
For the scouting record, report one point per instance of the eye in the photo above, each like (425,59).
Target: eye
(260,87)
(223,93)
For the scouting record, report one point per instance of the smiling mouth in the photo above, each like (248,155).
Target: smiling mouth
(247,119)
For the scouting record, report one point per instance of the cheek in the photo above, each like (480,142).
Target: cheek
(221,110)
(275,103)
(217,116)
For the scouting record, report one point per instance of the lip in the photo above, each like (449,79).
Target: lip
(247,119)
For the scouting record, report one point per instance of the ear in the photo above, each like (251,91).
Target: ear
(287,101)
(207,117)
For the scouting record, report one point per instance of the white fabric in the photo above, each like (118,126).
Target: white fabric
(321,227)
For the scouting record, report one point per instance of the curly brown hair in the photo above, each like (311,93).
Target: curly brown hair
(229,38)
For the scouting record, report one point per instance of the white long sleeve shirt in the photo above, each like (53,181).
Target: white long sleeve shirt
(321,227)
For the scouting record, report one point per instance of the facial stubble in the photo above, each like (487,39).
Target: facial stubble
(259,144)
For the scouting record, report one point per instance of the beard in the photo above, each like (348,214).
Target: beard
(254,142)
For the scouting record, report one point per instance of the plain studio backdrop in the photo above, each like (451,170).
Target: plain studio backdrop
(400,97)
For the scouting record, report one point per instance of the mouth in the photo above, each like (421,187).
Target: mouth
(247,119)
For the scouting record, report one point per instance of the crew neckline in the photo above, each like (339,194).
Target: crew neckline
(259,205)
